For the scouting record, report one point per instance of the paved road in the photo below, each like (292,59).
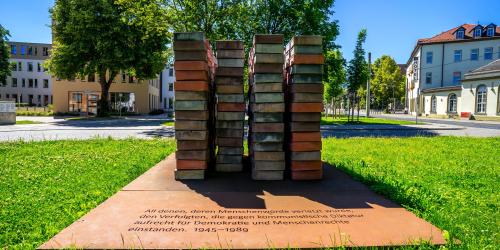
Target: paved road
(464,123)
(58,129)
(150,127)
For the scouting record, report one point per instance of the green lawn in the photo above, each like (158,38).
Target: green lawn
(450,181)
(453,182)
(364,121)
(169,123)
(45,186)
(26,122)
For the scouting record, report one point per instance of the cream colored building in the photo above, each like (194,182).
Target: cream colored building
(126,95)
(480,91)
(438,65)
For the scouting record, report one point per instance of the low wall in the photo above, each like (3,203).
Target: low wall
(7,113)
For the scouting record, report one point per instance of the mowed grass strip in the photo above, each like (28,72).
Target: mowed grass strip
(45,186)
(453,182)
(342,120)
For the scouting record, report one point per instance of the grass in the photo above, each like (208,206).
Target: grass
(169,123)
(453,182)
(364,121)
(26,122)
(45,186)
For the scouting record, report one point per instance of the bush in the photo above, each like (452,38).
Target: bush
(34,113)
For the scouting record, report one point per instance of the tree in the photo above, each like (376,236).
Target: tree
(387,83)
(334,77)
(357,71)
(4,54)
(106,37)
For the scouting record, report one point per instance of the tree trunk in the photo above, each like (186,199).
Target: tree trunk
(104,107)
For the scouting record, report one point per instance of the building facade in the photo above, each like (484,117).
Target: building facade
(437,67)
(126,95)
(29,82)
(167,78)
(480,91)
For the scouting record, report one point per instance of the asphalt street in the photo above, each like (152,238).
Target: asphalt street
(151,127)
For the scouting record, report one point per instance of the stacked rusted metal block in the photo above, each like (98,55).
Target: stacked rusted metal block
(230,106)
(267,107)
(304,94)
(194,117)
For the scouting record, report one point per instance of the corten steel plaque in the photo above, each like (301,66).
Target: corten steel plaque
(156,211)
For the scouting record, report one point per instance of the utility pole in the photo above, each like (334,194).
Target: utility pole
(368,84)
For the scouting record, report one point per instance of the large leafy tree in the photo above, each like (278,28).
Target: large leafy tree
(106,37)
(334,74)
(387,83)
(4,54)
(357,71)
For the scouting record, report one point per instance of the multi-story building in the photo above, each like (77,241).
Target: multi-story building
(437,65)
(126,94)
(167,79)
(29,82)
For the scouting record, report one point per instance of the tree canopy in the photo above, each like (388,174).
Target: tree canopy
(334,74)
(106,37)
(387,81)
(357,71)
(4,54)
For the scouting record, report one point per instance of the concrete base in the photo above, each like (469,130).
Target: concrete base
(7,118)
(229,210)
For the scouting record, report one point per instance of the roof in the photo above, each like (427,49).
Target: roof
(492,66)
(449,35)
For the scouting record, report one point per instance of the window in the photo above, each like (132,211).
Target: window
(45,99)
(498,100)
(457,77)
(170,87)
(23,50)
(30,99)
(36,83)
(24,83)
(39,67)
(14,82)
(36,51)
(477,32)
(30,83)
(171,72)
(20,66)
(124,102)
(460,34)
(428,58)
(39,98)
(452,103)
(481,93)
(13,49)
(91,78)
(45,83)
(7,96)
(433,104)
(170,103)
(488,53)
(457,55)
(75,102)
(14,96)
(30,67)
(428,77)
(490,31)
(474,54)
(45,51)
(124,77)
(130,79)
(30,50)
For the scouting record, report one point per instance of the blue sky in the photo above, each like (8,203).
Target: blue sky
(393,25)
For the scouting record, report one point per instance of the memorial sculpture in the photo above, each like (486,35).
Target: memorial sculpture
(304,98)
(194,100)
(285,95)
(230,106)
(266,132)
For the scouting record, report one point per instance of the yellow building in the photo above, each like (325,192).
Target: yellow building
(126,94)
